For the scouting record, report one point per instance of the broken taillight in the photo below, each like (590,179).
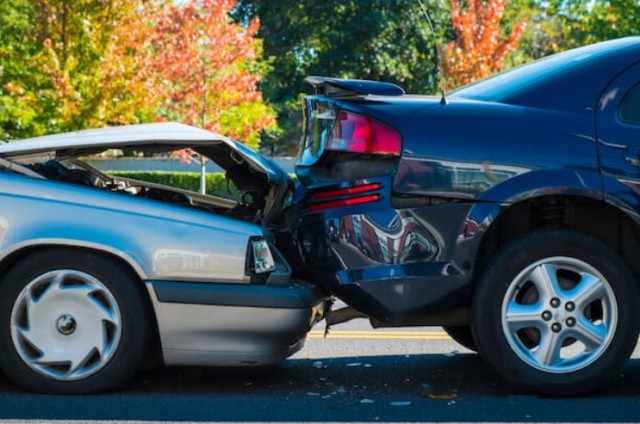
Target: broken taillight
(357,133)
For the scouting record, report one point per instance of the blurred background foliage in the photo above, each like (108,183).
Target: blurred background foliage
(215,183)
(238,66)
(73,64)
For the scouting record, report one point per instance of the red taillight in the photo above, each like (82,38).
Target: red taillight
(353,132)
(337,197)
(344,202)
(345,191)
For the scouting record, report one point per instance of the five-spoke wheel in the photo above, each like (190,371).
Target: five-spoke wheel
(556,313)
(559,314)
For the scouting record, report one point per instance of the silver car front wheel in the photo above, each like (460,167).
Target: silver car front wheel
(72,322)
(66,325)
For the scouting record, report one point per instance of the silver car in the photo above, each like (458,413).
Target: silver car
(100,273)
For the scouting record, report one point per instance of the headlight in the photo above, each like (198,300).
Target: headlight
(262,257)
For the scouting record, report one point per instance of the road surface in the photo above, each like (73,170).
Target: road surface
(358,374)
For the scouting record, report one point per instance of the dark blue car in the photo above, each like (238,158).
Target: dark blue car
(507,211)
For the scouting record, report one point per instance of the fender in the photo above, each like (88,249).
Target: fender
(492,203)
(185,250)
(134,263)
(557,182)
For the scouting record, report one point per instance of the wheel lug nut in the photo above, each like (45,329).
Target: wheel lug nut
(555,302)
(556,327)
(546,315)
(571,322)
(570,306)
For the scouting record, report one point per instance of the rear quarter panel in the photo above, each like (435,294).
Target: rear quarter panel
(465,149)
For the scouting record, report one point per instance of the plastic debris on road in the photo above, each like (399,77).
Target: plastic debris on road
(426,390)
(400,403)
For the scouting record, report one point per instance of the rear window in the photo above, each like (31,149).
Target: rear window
(630,107)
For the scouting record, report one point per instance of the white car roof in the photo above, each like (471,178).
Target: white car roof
(115,137)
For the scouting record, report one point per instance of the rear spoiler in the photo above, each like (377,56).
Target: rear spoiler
(341,88)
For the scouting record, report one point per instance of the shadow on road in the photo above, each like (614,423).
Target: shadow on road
(380,388)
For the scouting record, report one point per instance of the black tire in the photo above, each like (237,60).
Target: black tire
(530,278)
(92,302)
(463,336)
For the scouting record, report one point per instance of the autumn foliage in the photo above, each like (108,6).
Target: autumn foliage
(93,63)
(205,68)
(479,48)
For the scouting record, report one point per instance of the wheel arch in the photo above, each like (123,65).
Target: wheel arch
(599,219)
(21,250)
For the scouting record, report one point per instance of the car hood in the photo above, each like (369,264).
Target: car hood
(87,142)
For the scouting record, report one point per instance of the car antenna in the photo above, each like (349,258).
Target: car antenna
(443,101)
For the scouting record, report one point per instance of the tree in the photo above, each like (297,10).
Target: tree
(76,37)
(54,52)
(18,112)
(604,20)
(479,47)
(377,39)
(72,64)
(558,25)
(213,67)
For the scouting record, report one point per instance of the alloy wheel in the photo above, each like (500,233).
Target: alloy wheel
(559,314)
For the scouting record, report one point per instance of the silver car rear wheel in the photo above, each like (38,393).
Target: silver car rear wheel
(66,325)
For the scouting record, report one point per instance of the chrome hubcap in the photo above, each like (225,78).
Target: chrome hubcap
(559,315)
(65,325)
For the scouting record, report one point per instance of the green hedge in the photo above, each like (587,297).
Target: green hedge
(216,183)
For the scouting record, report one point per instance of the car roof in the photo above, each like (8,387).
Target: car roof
(164,133)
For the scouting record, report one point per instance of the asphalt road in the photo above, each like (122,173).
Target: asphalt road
(356,375)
